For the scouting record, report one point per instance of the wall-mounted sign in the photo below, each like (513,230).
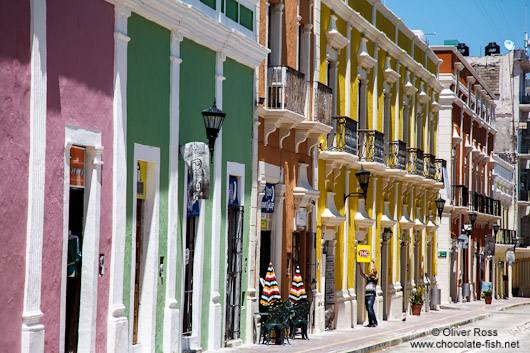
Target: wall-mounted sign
(301,218)
(363,253)
(141,175)
(197,158)
(77,167)
(510,257)
(233,190)
(442,253)
(266,221)
(193,205)
(267,203)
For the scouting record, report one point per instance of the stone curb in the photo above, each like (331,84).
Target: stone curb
(500,308)
(412,336)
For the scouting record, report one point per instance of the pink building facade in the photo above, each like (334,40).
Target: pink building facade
(56,133)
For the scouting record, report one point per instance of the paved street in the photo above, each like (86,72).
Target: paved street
(503,331)
(387,334)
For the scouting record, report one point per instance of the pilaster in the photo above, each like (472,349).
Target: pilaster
(32,340)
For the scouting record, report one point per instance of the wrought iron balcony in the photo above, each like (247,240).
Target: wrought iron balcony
(323,101)
(428,166)
(415,161)
(286,89)
(343,137)
(485,204)
(397,155)
(371,146)
(460,195)
(506,236)
(439,165)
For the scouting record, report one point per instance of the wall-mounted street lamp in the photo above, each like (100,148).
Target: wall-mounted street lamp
(496,229)
(440,203)
(363,177)
(213,120)
(472,218)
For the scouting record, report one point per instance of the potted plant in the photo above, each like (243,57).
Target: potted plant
(416,300)
(486,295)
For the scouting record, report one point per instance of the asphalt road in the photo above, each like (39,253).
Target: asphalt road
(503,332)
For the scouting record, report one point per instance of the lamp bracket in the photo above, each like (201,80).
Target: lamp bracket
(352,194)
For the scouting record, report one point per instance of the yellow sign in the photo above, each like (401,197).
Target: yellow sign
(363,253)
(141,173)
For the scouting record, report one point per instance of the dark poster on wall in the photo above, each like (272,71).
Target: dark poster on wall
(197,158)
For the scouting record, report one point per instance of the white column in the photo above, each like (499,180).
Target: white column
(172,333)
(375,93)
(276,34)
(32,330)
(215,334)
(117,326)
(347,90)
(397,109)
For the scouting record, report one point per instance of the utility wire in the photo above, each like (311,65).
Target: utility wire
(504,21)
(486,15)
(465,20)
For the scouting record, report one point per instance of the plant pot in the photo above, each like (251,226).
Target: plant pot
(488,300)
(416,309)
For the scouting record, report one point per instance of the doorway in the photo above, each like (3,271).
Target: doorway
(234,269)
(73,269)
(264,259)
(191,232)
(137,267)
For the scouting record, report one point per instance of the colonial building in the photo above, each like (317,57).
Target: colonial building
(103,99)
(507,77)
(384,115)
(466,137)
(292,114)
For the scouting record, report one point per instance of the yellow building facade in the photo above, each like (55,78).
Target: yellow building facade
(379,86)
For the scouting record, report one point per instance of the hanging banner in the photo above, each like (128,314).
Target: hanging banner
(197,158)
(77,167)
(141,175)
(446,184)
(267,203)
(363,253)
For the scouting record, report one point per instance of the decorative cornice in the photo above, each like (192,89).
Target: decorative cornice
(354,18)
(175,14)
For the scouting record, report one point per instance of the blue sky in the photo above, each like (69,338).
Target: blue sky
(474,22)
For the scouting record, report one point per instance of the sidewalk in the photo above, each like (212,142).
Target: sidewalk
(388,333)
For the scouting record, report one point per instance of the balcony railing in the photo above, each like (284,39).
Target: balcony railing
(439,165)
(287,89)
(428,166)
(506,236)
(415,161)
(485,204)
(397,155)
(371,146)
(323,101)
(460,196)
(343,137)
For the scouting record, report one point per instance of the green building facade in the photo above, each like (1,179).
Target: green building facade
(176,290)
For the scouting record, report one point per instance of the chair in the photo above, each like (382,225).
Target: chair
(275,320)
(301,313)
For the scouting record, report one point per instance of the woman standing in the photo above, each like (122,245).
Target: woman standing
(369,298)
